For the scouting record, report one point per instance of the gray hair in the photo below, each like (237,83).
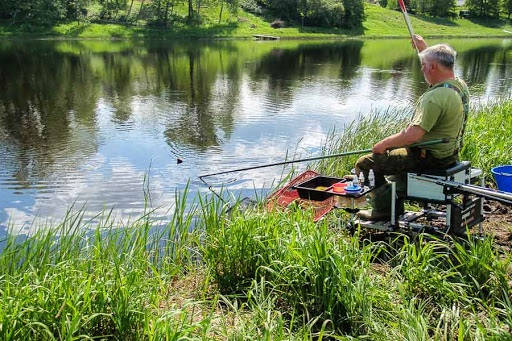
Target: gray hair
(441,53)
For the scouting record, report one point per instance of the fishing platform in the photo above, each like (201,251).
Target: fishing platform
(265,37)
(451,200)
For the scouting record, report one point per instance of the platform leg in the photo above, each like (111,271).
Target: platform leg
(393,204)
(480,226)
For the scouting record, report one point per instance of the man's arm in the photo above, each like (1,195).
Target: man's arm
(406,137)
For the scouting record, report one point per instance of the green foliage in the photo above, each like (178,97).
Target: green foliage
(328,13)
(393,4)
(435,8)
(425,268)
(41,12)
(486,140)
(315,272)
(507,7)
(354,13)
(484,8)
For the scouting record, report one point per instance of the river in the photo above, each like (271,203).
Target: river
(99,125)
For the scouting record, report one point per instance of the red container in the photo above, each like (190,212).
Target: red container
(339,187)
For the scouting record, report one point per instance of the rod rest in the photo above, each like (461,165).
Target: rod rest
(458,167)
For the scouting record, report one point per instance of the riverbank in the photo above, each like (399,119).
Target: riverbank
(379,23)
(257,275)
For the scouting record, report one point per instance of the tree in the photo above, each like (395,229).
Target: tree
(484,8)
(42,12)
(507,7)
(443,8)
(354,13)
(190,17)
(233,6)
(436,8)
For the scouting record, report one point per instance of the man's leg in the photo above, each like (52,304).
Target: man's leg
(397,163)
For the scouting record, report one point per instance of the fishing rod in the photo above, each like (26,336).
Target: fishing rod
(356,152)
(408,23)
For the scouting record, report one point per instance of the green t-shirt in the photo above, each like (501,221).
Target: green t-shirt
(440,112)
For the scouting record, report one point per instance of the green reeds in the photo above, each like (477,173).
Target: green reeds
(487,140)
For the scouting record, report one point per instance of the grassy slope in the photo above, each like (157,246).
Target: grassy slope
(380,22)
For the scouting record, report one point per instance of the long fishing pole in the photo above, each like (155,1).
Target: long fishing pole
(356,152)
(408,23)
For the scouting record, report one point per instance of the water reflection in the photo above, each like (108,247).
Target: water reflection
(85,121)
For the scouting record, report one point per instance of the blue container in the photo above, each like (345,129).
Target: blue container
(503,177)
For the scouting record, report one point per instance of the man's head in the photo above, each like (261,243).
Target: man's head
(437,63)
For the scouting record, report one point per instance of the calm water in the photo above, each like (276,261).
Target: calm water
(85,122)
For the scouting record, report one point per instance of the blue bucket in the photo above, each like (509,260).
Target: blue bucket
(503,177)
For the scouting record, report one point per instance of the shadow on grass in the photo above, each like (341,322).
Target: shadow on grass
(488,22)
(122,30)
(325,30)
(190,31)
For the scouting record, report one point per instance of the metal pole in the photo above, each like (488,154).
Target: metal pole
(488,193)
(408,22)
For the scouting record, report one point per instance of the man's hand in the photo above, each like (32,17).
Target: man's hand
(419,42)
(379,148)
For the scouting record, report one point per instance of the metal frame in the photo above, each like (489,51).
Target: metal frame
(424,188)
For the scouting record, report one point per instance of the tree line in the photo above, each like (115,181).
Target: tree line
(330,13)
(447,8)
(326,13)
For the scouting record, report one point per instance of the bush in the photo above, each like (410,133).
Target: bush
(436,8)
(354,13)
(325,13)
(251,6)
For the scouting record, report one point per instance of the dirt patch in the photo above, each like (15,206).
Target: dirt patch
(195,296)
(498,223)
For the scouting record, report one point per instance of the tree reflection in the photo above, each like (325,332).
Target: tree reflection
(49,91)
(42,92)
(281,70)
(477,64)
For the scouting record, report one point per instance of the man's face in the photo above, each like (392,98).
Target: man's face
(427,67)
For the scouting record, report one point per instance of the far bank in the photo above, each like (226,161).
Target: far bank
(379,23)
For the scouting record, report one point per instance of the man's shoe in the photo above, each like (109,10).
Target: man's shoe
(373,215)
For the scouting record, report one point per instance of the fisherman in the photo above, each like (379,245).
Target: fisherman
(441,112)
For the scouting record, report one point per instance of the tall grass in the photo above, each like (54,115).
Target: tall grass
(213,273)
(487,140)
(69,281)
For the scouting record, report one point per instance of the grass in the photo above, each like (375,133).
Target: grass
(486,139)
(379,22)
(209,274)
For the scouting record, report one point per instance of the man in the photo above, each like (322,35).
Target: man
(440,112)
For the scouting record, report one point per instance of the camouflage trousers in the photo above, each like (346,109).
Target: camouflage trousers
(394,166)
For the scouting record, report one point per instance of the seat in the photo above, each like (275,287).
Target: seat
(421,187)
(456,168)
